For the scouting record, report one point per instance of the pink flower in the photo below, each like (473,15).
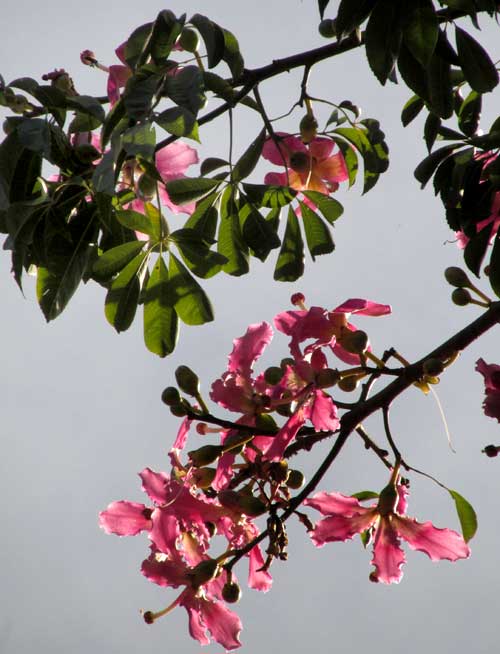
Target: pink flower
(387,525)
(309,167)
(326,328)
(491,374)
(118,74)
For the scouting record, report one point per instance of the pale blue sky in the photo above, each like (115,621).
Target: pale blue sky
(81,413)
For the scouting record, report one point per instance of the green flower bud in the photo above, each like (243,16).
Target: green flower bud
(279,470)
(327,378)
(231,592)
(178,410)
(203,573)
(355,342)
(349,384)
(461,297)
(247,504)
(284,410)
(205,455)
(273,375)
(203,477)
(295,479)
(287,361)
(308,128)
(456,277)
(189,40)
(388,500)
(146,187)
(187,381)
(327,28)
(170,396)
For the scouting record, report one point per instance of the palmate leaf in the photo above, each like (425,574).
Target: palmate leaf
(290,263)
(375,155)
(263,195)
(249,159)
(411,109)
(187,189)
(383,37)
(196,254)
(478,68)
(213,37)
(179,121)
(329,207)
(136,221)
(112,261)
(204,218)
(188,298)
(230,240)
(257,232)
(161,325)
(421,30)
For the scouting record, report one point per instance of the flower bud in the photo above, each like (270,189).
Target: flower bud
(355,342)
(308,128)
(295,479)
(146,187)
(205,455)
(491,450)
(231,592)
(278,470)
(327,377)
(170,396)
(189,40)
(273,375)
(461,297)
(433,367)
(456,277)
(178,410)
(287,361)
(284,410)
(388,500)
(203,477)
(187,381)
(247,504)
(348,384)
(327,28)
(204,572)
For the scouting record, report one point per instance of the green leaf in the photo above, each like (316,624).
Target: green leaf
(204,218)
(470,113)
(27,84)
(139,140)
(440,87)
(425,169)
(212,163)
(257,233)
(186,88)
(139,222)
(213,37)
(322,5)
(269,196)
(166,29)
(138,44)
(87,104)
(139,92)
(230,240)
(179,121)
(103,177)
(123,296)
(375,157)
(249,159)
(479,70)
(329,207)
(115,259)
(83,123)
(365,495)
(350,158)
(413,73)
(318,236)
(466,515)
(195,252)
(351,15)
(189,299)
(431,128)
(34,134)
(161,325)
(59,279)
(494,275)
(383,38)
(187,189)
(112,121)
(475,250)
(411,110)
(290,263)
(421,30)
(232,55)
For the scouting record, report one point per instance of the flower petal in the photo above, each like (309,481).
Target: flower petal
(154,484)
(436,543)
(321,148)
(388,557)
(248,348)
(340,527)
(335,503)
(173,160)
(287,145)
(125,518)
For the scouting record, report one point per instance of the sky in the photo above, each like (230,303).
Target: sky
(81,410)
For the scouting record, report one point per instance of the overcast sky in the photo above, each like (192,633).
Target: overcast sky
(81,410)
